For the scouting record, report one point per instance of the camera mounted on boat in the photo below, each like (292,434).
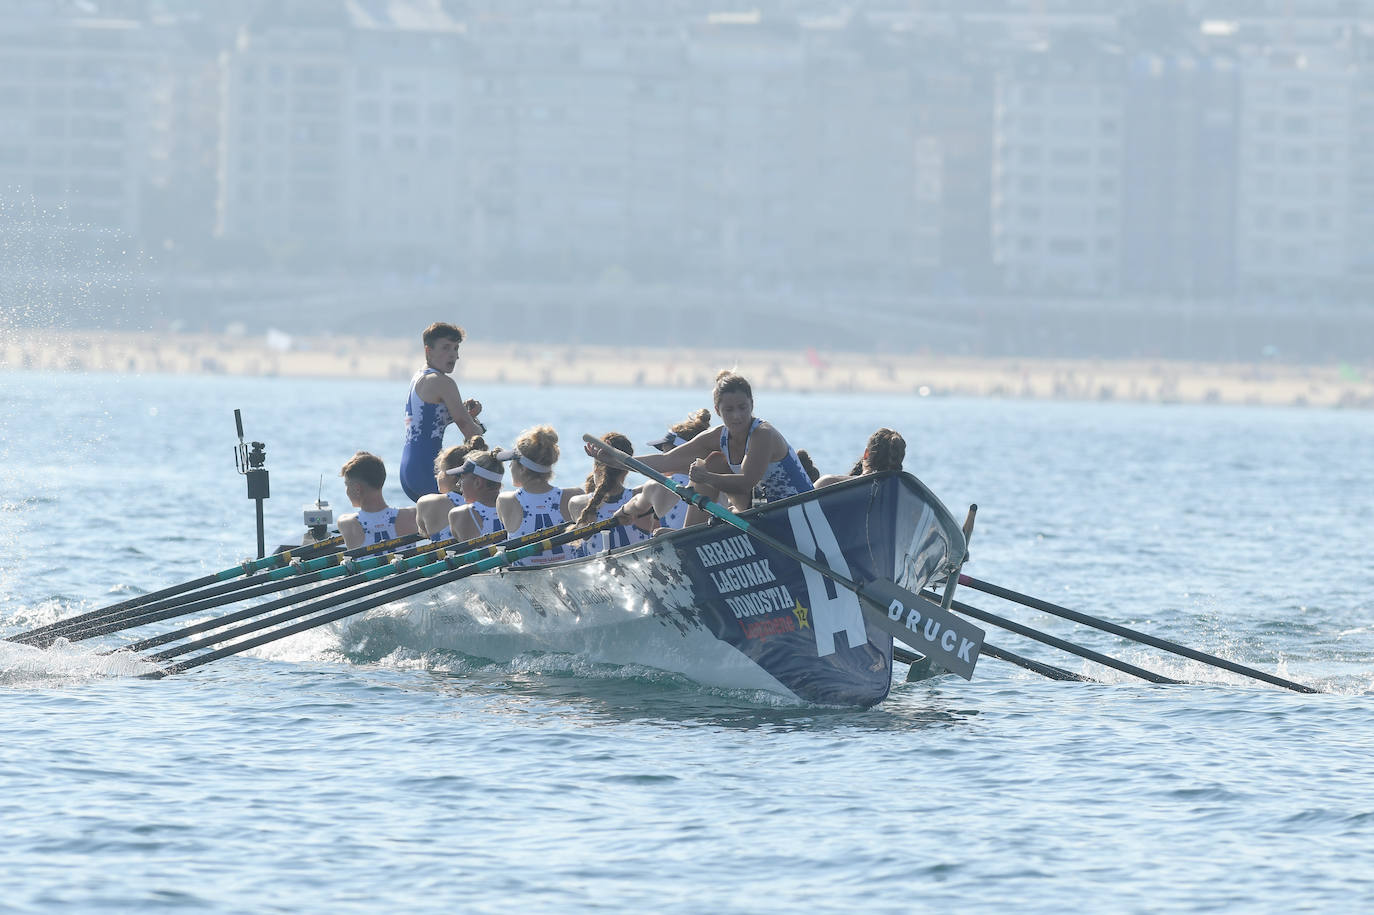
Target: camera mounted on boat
(252,463)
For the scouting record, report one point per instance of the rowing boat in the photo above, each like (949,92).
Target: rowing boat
(709,602)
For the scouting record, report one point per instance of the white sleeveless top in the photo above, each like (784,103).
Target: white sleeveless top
(487,517)
(620,535)
(378,527)
(539,512)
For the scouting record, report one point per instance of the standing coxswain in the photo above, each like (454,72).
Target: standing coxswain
(433,403)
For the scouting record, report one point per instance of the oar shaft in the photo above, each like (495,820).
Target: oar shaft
(43,636)
(1044,606)
(432,574)
(1056,642)
(1039,667)
(246,613)
(295,612)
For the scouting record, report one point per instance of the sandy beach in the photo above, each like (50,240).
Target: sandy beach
(552,364)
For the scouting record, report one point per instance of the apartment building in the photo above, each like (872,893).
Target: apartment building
(340,134)
(1179,187)
(74,119)
(1058,127)
(1293,173)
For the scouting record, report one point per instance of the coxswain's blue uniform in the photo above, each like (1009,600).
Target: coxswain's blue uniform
(782,478)
(425,425)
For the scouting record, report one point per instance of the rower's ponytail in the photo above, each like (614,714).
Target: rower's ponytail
(886,451)
(695,424)
(607,479)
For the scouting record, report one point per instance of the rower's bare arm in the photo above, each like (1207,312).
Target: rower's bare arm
(352,531)
(565,504)
(462,523)
(662,498)
(508,507)
(681,457)
(639,503)
(443,389)
(406,523)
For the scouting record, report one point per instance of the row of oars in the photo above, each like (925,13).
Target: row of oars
(920,668)
(342,584)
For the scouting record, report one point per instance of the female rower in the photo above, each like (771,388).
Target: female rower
(537,504)
(745,458)
(607,496)
(432,510)
(886,449)
(480,478)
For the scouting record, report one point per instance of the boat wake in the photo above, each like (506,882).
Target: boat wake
(64,663)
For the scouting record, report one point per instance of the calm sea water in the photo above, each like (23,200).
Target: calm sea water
(304,780)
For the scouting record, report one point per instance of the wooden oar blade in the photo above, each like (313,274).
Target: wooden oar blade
(948,640)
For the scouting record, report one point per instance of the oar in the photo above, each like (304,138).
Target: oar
(293,576)
(887,605)
(445,571)
(45,635)
(129,614)
(1163,644)
(357,571)
(1045,670)
(1056,642)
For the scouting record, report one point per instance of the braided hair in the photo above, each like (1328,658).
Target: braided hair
(606,480)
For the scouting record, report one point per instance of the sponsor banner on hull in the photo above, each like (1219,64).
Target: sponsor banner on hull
(792,620)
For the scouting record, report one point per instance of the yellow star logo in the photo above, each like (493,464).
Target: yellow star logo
(802,614)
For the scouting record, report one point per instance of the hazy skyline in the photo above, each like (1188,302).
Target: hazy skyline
(1079,177)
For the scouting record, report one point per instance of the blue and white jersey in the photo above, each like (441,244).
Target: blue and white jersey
(620,535)
(425,425)
(487,517)
(539,512)
(781,478)
(677,515)
(378,527)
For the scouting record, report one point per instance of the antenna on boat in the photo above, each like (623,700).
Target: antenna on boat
(318,517)
(251,462)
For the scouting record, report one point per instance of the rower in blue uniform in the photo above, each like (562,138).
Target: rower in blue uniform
(537,504)
(480,480)
(375,521)
(608,496)
(433,403)
(433,509)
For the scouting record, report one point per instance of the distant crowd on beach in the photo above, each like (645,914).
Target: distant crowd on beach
(1264,383)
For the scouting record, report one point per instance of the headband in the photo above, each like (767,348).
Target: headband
(671,440)
(484,473)
(515,455)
